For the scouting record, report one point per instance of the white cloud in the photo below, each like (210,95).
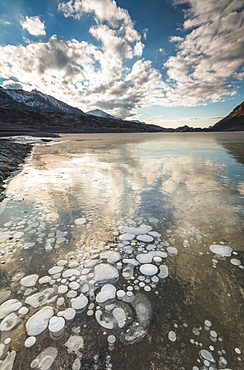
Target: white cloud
(34,26)
(210,56)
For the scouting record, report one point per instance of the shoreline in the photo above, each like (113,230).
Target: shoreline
(12,155)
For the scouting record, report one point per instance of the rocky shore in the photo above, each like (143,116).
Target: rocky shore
(12,154)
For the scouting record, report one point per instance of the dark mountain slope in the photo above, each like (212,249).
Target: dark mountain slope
(233,122)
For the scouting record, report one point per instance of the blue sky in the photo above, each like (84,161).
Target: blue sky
(168,62)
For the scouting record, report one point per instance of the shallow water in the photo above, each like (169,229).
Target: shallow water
(134,216)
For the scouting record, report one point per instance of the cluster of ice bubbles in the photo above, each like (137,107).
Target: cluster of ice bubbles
(30,231)
(110,283)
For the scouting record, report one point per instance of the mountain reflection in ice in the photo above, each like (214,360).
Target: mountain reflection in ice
(127,222)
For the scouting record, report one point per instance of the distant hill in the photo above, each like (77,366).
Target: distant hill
(16,121)
(233,122)
(101,113)
(35,100)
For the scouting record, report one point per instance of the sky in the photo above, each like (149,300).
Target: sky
(165,62)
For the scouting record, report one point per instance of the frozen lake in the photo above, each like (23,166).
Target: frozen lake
(125,251)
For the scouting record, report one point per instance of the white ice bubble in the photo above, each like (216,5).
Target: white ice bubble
(107,292)
(56,325)
(148,269)
(29,281)
(235,262)
(30,341)
(238,351)
(172,336)
(9,306)
(172,250)
(55,270)
(120,293)
(37,323)
(207,323)
(213,334)
(105,272)
(79,303)
(80,221)
(205,354)
(221,250)
(120,316)
(145,238)
(111,339)
(163,271)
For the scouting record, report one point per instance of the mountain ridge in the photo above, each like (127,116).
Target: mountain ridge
(38,101)
(234,121)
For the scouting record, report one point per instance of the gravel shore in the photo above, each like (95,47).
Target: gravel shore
(12,154)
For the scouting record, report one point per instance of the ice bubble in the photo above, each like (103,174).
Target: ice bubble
(74,343)
(70,272)
(8,362)
(157,259)
(222,250)
(235,262)
(104,320)
(7,341)
(62,262)
(30,341)
(74,285)
(111,339)
(213,334)
(120,293)
(5,237)
(79,303)
(143,309)
(4,295)
(45,280)
(76,364)
(131,261)
(37,323)
(72,294)
(142,229)
(238,351)
(9,306)
(55,270)
(172,336)
(80,221)
(18,234)
(172,250)
(148,269)
(105,272)
(60,301)
(120,316)
(111,256)
(62,289)
(126,237)
(29,281)
(10,322)
(45,359)
(206,355)
(144,258)
(41,298)
(163,271)
(144,238)
(68,314)
(107,292)
(207,323)
(56,325)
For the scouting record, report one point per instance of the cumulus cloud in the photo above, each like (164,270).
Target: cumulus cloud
(34,26)
(210,56)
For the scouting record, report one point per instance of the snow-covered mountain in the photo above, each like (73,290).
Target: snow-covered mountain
(101,113)
(137,121)
(40,101)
